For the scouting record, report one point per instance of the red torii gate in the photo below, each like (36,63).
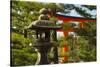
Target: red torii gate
(66,19)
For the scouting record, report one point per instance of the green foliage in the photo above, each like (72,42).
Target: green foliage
(21,57)
(84,52)
(19,41)
(66,26)
(89,31)
(22,53)
(85,46)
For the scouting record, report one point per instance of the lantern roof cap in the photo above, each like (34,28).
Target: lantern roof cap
(44,24)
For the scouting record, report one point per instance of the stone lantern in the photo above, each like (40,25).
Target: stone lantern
(43,28)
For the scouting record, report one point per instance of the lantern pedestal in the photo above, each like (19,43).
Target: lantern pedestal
(43,46)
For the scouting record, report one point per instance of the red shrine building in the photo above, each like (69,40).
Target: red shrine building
(79,21)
